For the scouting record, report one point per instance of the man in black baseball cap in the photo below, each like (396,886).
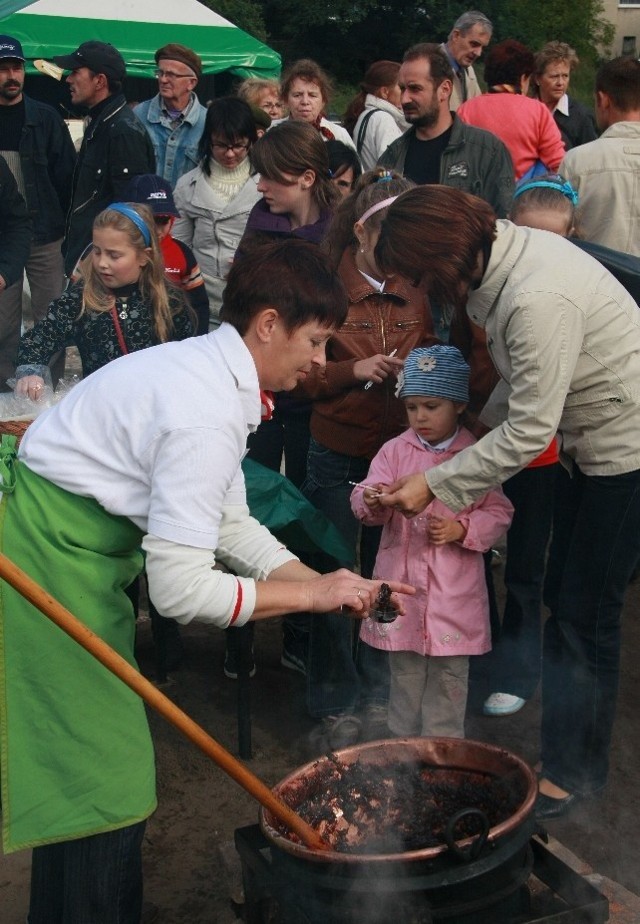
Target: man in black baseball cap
(99,57)
(11,48)
(115,148)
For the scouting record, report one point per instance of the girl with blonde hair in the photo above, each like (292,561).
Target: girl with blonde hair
(121,303)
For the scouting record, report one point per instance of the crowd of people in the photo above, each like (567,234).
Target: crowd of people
(391,312)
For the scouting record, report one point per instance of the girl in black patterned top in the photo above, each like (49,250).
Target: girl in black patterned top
(122,302)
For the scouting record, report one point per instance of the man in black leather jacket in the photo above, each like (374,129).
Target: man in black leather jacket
(115,148)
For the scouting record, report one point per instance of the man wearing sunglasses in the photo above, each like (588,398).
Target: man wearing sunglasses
(174,118)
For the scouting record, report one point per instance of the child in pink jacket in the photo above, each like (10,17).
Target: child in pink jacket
(439,552)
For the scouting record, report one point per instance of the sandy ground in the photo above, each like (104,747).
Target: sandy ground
(191,834)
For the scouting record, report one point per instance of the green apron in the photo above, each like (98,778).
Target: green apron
(76,752)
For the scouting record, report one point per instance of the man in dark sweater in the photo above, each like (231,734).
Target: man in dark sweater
(15,237)
(115,147)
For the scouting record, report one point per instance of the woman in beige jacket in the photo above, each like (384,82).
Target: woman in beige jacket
(565,337)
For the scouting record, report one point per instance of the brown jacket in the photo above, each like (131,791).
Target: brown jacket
(345,417)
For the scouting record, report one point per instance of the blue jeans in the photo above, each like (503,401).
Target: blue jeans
(515,663)
(92,880)
(595,546)
(342,673)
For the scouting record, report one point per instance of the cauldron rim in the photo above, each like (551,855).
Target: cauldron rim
(439,752)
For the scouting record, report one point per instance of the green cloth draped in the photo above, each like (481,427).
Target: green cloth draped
(76,755)
(277,504)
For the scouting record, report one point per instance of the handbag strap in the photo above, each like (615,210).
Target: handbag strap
(122,343)
(363,128)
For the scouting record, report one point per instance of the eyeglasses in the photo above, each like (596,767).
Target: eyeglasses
(170,75)
(222,148)
(162,219)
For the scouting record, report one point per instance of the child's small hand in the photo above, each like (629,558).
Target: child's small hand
(441,530)
(31,386)
(371,495)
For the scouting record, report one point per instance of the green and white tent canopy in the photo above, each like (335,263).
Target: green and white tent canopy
(137,28)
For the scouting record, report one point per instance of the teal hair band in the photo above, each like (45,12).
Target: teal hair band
(563,187)
(133,216)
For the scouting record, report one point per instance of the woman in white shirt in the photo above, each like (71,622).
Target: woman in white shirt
(145,451)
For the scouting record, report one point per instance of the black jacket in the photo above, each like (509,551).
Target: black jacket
(579,127)
(15,227)
(115,148)
(47,158)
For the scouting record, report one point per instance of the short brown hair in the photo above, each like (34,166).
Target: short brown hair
(620,80)
(439,66)
(187,56)
(507,62)
(306,69)
(435,233)
(552,52)
(294,277)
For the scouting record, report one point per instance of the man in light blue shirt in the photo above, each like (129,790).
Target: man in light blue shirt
(174,118)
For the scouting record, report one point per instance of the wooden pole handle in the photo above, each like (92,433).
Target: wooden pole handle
(63,618)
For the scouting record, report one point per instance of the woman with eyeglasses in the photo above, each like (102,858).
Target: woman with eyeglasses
(215,199)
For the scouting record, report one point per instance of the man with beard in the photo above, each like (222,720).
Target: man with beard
(439,147)
(37,146)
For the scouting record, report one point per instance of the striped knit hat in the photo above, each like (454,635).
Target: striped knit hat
(438,371)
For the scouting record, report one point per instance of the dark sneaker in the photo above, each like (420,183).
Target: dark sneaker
(232,664)
(293,662)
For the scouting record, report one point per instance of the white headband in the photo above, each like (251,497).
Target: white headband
(376,208)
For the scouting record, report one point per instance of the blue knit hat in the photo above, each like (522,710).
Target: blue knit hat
(438,371)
